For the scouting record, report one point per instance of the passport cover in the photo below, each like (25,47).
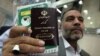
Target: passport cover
(44,26)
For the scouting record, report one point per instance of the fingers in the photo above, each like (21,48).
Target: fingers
(32,41)
(11,54)
(7,54)
(26,45)
(26,40)
(25,48)
(18,31)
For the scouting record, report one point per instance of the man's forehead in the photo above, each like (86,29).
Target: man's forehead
(73,12)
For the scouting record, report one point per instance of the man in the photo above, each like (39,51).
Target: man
(72,27)
(72,30)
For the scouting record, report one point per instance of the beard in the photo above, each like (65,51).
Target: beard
(73,34)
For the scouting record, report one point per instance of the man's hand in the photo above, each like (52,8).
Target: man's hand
(26,44)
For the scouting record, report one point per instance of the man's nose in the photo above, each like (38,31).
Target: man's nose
(76,22)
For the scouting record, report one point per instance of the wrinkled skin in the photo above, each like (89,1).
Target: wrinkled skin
(27,44)
(72,25)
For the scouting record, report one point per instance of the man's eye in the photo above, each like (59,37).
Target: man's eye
(70,18)
(81,19)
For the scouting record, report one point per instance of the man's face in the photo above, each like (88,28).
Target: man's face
(73,25)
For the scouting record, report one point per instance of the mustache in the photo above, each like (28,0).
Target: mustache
(74,28)
(77,28)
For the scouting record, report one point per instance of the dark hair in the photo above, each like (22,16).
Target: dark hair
(66,10)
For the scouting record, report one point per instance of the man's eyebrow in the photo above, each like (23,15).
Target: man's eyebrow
(80,16)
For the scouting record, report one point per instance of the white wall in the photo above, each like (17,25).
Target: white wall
(2,16)
(91,43)
(93,7)
(6,10)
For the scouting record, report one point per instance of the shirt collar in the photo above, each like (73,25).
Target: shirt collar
(67,45)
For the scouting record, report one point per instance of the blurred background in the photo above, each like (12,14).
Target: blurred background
(90,10)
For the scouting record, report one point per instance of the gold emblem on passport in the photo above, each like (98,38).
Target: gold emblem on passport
(44,13)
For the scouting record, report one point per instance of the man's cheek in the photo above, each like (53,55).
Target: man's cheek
(66,26)
(82,26)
